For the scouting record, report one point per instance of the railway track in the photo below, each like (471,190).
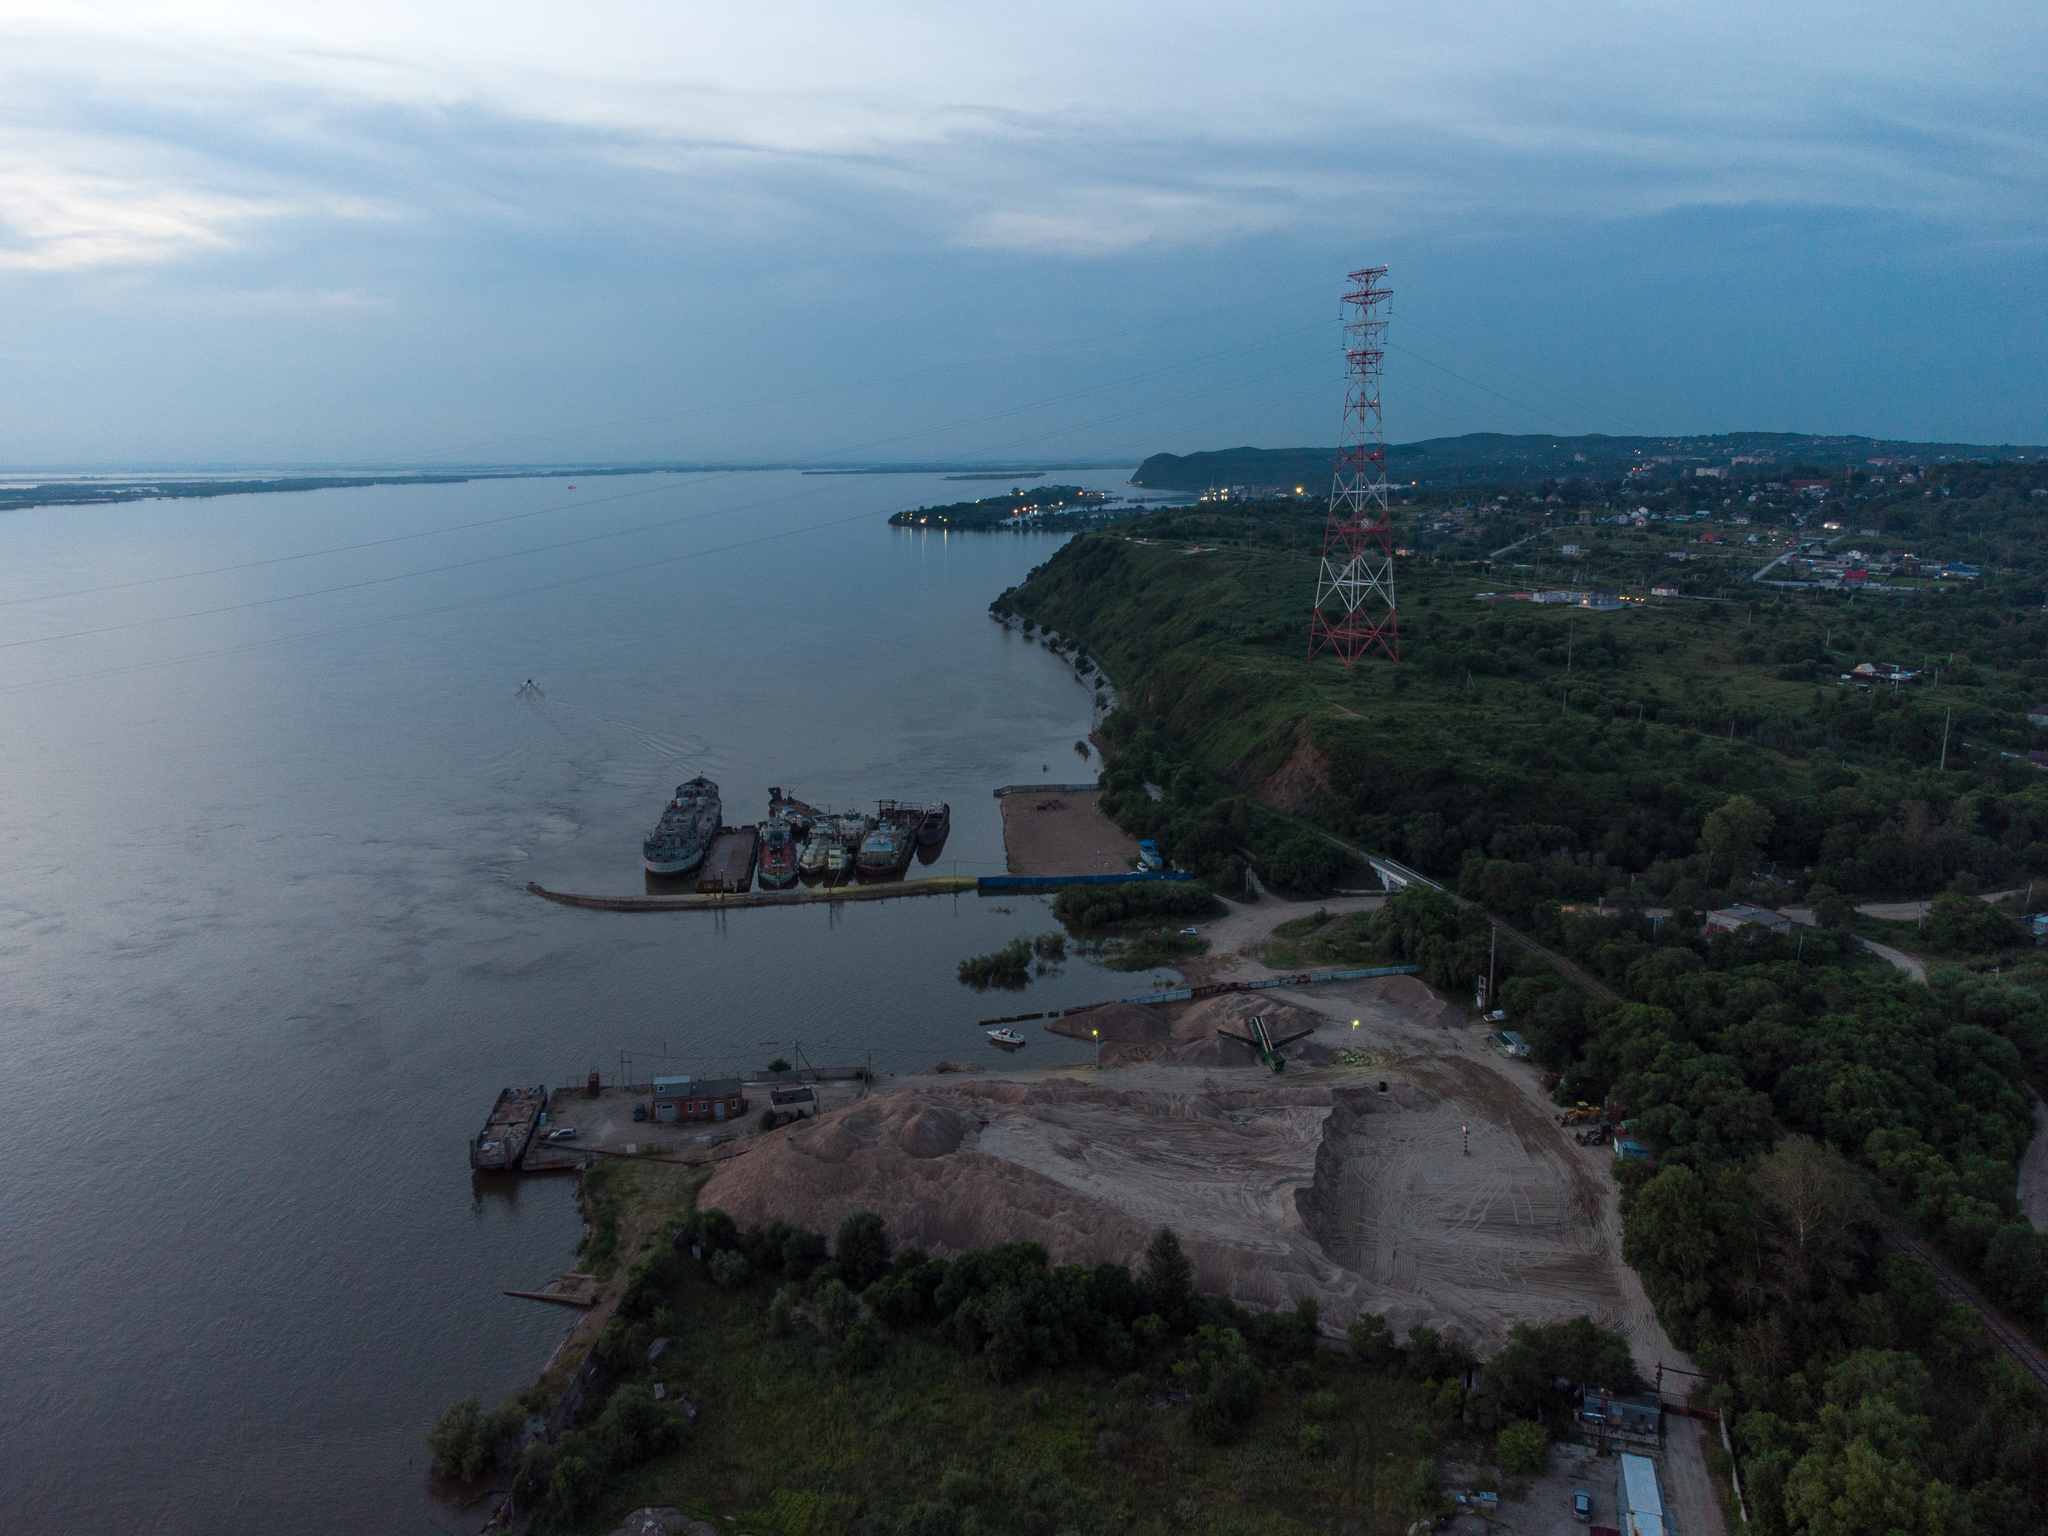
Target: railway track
(2023,1351)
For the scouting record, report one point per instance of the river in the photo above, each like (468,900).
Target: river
(266,954)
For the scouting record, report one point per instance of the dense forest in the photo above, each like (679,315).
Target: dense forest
(1602,777)
(1488,457)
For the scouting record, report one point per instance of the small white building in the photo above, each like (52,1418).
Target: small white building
(1638,1502)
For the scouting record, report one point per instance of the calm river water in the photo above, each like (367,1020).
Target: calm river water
(266,956)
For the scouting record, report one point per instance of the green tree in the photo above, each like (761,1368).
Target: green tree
(1731,836)
(1670,1238)
(1966,923)
(1167,1283)
(862,1250)
(1830,908)
(1523,1448)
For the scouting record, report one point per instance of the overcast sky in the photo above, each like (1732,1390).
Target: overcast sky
(519,232)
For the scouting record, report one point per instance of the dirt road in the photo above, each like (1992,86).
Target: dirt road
(2034,1171)
(1234,937)
(1912,965)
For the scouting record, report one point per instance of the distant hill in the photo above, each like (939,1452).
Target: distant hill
(1492,457)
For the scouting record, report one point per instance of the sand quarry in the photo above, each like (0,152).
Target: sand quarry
(1346,1178)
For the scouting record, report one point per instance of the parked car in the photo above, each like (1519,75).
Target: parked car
(566,1133)
(639,1111)
(1582,1507)
(1187,930)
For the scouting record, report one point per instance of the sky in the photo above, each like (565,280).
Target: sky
(527,232)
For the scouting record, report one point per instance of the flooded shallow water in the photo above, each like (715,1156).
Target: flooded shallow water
(266,954)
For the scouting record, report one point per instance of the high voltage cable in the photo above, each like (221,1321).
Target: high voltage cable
(1627,430)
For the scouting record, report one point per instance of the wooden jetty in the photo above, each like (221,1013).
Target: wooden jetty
(946,885)
(571,1290)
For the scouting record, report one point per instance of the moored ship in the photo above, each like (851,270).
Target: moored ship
(778,856)
(509,1130)
(685,830)
(885,852)
(937,822)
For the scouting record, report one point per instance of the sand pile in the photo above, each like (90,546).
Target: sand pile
(1187,1033)
(1301,1184)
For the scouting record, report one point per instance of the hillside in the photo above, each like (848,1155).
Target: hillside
(1795,1109)
(1492,456)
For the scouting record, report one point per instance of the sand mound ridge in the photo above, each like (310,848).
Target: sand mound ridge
(1279,1188)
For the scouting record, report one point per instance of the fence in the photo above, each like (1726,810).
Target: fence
(988,883)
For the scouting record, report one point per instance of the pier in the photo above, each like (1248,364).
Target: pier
(945,885)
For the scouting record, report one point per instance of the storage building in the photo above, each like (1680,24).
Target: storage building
(1638,1501)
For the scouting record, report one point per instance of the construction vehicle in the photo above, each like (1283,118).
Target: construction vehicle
(1580,1114)
(1262,1041)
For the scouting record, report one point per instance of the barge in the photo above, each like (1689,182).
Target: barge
(729,866)
(509,1130)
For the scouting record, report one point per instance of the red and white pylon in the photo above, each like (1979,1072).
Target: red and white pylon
(1354,609)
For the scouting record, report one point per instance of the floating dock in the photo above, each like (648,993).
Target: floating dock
(946,885)
(728,866)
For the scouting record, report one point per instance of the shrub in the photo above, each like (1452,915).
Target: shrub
(1320,1406)
(782,1312)
(1009,967)
(1051,948)
(1224,1379)
(835,1308)
(778,1065)
(1523,1448)
(729,1268)
(1425,1488)
(1313,1443)
(767,1120)
(863,1348)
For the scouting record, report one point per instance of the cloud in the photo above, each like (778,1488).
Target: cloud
(163,133)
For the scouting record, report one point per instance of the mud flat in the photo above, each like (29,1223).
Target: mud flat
(1314,1182)
(1069,836)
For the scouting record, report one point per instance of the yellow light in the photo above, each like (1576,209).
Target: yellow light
(1094,1031)
(1354,1023)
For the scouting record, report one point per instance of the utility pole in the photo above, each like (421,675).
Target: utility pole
(1944,736)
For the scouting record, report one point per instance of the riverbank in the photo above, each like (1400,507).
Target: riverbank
(943,885)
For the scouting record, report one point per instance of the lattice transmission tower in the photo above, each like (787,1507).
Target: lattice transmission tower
(1354,609)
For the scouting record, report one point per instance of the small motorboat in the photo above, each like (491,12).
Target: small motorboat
(1005,1037)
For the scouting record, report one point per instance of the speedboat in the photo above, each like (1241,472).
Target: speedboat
(1005,1037)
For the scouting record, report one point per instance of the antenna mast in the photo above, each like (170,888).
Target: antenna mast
(1354,609)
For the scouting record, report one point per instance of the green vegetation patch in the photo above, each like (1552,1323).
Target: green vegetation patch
(1101,908)
(887,1393)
